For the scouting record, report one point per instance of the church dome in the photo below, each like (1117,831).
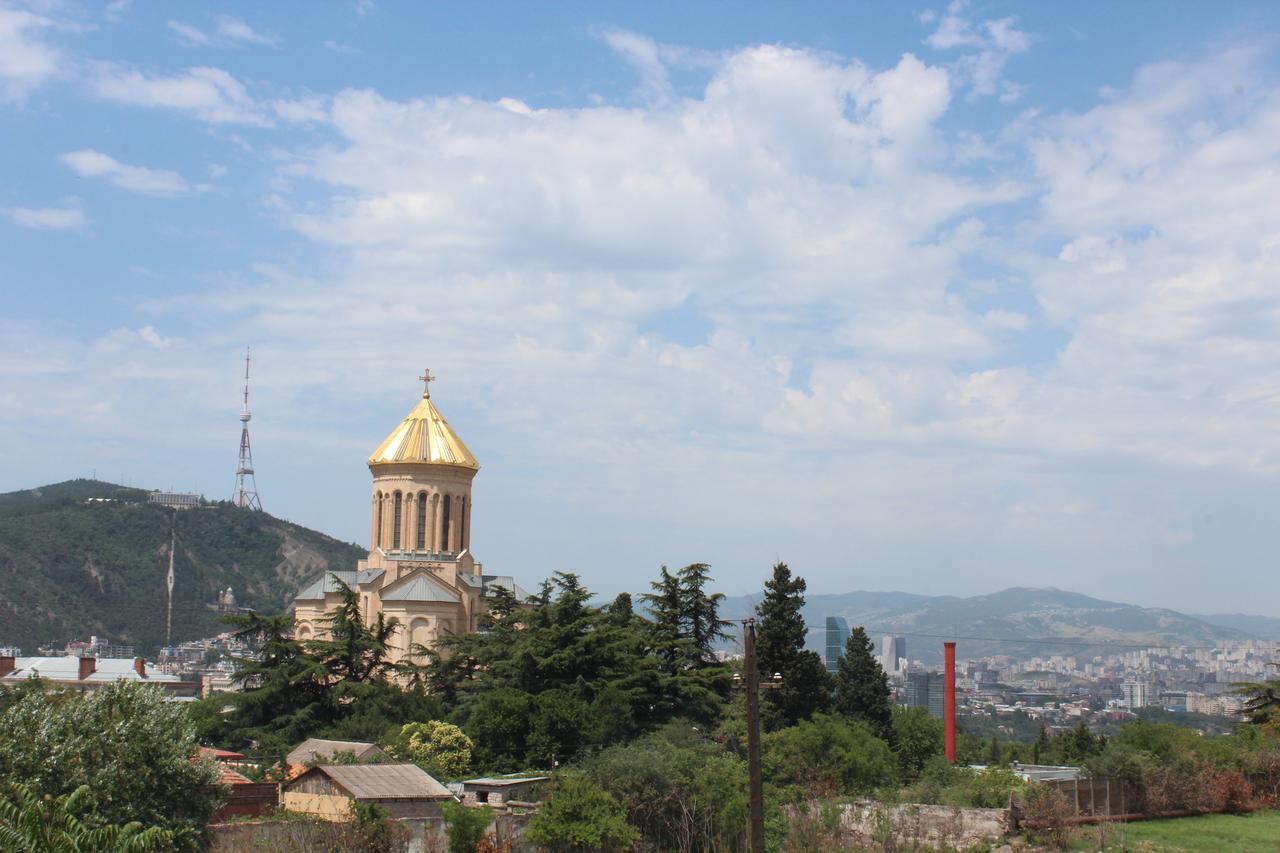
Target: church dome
(424,438)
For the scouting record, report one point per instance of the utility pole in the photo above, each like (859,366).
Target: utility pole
(750,681)
(756,779)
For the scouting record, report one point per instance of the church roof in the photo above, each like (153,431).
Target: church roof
(422,588)
(424,437)
(328,584)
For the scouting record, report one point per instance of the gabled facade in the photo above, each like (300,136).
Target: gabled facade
(420,569)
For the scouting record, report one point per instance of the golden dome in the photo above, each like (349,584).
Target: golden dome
(424,438)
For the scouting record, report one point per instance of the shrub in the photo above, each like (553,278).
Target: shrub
(465,827)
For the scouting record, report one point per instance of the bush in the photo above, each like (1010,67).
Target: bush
(581,816)
(1228,791)
(465,827)
(1047,812)
(829,755)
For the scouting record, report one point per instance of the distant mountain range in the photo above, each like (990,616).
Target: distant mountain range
(1020,622)
(86,557)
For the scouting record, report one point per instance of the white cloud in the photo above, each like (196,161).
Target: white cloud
(26,59)
(772,318)
(88,163)
(190,35)
(989,45)
(227,32)
(642,53)
(49,218)
(210,94)
(237,30)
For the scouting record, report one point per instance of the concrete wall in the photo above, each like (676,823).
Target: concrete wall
(872,823)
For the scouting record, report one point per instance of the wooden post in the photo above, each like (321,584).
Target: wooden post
(756,779)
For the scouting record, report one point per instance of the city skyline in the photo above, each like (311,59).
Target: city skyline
(907,293)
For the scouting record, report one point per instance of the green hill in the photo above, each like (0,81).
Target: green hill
(73,564)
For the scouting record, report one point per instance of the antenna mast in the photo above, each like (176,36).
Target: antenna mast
(246,491)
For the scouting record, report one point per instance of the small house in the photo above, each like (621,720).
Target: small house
(319,751)
(498,791)
(404,790)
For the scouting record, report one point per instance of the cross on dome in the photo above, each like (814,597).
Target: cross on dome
(426,378)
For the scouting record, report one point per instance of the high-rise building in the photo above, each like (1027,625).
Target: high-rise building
(1136,694)
(926,690)
(837,636)
(893,651)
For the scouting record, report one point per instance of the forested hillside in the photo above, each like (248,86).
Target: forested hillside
(71,566)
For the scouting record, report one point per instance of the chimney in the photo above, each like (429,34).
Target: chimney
(140,667)
(87,667)
(7,665)
(950,706)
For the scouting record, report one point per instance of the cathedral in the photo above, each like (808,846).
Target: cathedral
(420,570)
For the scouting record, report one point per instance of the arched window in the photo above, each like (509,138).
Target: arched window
(422,521)
(377,536)
(444,525)
(462,524)
(395,522)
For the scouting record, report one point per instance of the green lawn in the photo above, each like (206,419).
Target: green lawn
(1254,833)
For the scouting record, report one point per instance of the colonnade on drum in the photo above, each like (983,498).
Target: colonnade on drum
(420,520)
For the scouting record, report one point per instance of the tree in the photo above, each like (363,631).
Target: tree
(442,749)
(780,648)
(579,816)
(700,611)
(465,827)
(1041,747)
(354,652)
(827,754)
(136,751)
(862,688)
(994,753)
(30,823)
(917,737)
(1261,700)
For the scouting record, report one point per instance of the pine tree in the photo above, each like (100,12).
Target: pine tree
(780,640)
(862,687)
(993,752)
(700,611)
(1041,748)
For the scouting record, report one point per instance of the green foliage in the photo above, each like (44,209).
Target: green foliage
(372,830)
(442,749)
(581,816)
(948,784)
(827,754)
(30,823)
(1262,701)
(558,679)
(917,737)
(862,688)
(465,826)
(340,689)
(676,785)
(74,569)
(134,749)
(780,639)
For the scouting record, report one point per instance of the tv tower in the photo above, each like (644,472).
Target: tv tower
(246,491)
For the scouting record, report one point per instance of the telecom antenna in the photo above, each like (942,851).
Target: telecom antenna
(246,491)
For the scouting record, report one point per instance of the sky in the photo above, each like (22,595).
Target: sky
(923,297)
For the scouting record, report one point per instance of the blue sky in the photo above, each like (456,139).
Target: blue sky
(941,298)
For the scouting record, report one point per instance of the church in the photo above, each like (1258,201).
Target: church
(420,570)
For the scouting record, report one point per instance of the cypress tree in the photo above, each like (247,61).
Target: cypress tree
(780,636)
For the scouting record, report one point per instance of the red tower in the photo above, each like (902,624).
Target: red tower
(950,708)
(246,490)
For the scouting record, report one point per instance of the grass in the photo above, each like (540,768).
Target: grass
(1253,833)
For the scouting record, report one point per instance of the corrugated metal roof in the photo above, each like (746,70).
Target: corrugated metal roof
(327,583)
(385,781)
(422,588)
(509,583)
(318,749)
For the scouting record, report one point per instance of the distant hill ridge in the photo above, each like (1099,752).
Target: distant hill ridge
(71,566)
(1021,622)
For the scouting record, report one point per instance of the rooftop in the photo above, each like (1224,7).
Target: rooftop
(424,437)
(384,781)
